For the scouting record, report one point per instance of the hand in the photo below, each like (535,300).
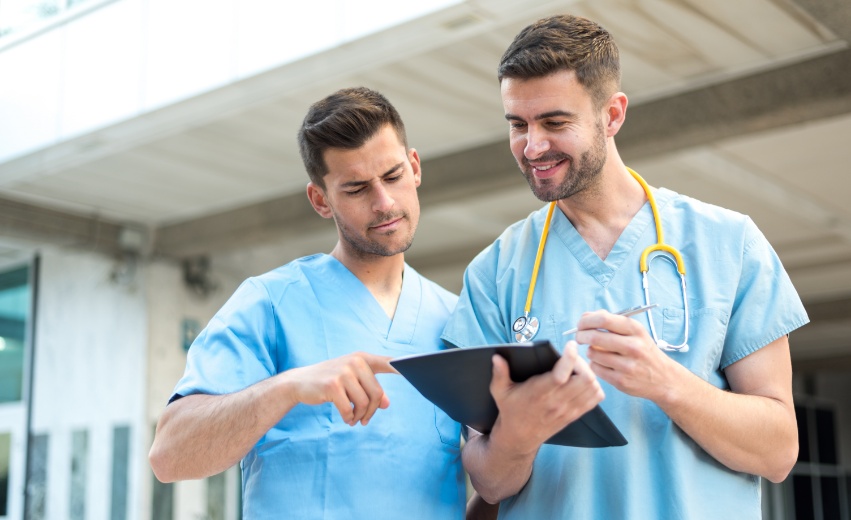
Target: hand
(622,353)
(347,381)
(533,411)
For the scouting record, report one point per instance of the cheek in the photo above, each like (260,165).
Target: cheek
(518,148)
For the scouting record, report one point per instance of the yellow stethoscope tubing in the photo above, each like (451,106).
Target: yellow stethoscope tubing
(538,256)
(660,245)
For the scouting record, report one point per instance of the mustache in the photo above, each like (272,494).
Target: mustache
(547,157)
(387,217)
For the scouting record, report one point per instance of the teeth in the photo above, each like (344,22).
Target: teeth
(544,168)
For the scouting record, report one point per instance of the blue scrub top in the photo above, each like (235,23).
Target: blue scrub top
(404,463)
(740,299)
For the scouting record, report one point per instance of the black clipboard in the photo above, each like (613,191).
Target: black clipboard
(457,380)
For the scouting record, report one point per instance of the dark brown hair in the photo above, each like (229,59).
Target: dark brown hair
(346,119)
(565,42)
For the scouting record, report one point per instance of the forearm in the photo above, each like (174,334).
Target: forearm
(201,435)
(748,433)
(496,473)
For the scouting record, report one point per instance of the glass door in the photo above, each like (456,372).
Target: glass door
(15,319)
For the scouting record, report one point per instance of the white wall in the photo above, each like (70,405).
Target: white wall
(89,373)
(131,57)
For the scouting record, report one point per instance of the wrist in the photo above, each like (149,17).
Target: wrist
(674,388)
(509,444)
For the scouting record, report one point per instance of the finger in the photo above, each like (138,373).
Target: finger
(581,369)
(501,377)
(603,357)
(375,394)
(605,320)
(565,365)
(344,406)
(378,364)
(359,401)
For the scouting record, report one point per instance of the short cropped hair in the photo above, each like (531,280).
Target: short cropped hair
(346,119)
(565,42)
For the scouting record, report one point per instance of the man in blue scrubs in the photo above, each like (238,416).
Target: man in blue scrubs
(291,377)
(703,424)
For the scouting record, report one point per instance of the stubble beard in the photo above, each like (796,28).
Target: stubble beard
(580,174)
(361,246)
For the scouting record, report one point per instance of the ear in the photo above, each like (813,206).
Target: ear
(318,200)
(615,113)
(414,158)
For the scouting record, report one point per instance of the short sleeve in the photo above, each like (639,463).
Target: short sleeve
(766,306)
(477,318)
(235,350)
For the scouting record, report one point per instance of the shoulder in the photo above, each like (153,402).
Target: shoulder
(699,210)
(512,242)
(433,293)
(277,283)
(698,218)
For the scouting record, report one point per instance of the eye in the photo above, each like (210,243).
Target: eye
(355,192)
(556,124)
(517,125)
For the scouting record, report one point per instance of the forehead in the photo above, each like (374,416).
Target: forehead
(375,158)
(527,98)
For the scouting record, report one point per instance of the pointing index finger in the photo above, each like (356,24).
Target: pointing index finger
(379,364)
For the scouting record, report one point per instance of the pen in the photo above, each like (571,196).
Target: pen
(626,312)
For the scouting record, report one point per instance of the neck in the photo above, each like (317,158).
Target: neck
(382,275)
(601,212)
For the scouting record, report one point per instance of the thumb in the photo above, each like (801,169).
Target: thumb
(501,377)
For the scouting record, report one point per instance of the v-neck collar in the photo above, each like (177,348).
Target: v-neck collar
(604,270)
(348,288)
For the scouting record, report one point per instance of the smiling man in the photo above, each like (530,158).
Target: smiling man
(701,387)
(291,377)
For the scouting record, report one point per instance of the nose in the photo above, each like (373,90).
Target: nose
(536,144)
(383,200)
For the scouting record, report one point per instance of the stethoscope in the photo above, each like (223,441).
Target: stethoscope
(526,327)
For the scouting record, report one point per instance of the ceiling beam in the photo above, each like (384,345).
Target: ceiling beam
(38,225)
(453,177)
(790,95)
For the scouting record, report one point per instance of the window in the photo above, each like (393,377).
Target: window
(818,487)
(14,313)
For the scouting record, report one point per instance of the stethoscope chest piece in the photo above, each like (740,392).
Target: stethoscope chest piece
(525,328)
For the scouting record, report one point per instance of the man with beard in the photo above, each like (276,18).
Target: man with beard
(284,372)
(701,386)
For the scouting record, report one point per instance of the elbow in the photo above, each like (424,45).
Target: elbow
(783,464)
(159,464)
(490,496)
(784,459)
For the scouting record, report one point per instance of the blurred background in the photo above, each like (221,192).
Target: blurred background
(148,165)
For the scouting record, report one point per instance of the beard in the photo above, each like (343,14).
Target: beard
(361,245)
(580,174)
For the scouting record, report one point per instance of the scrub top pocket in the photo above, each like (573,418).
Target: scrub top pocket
(707,329)
(448,430)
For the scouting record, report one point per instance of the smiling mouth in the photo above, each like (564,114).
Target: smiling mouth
(544,169)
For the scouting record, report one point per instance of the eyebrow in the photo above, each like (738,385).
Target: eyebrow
(545,115)
(356,184)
